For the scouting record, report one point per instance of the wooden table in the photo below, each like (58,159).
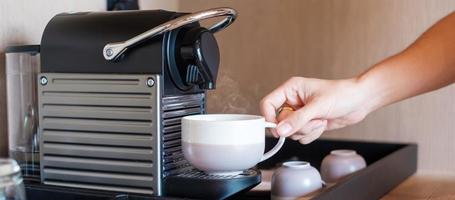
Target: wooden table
(419,186)
(425,186)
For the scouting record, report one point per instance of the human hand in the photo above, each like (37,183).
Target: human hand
(319,105)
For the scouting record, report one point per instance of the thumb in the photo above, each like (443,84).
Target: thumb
(296,120)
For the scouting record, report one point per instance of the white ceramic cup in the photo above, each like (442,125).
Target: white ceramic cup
(226,144)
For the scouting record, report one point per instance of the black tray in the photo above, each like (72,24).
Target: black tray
(388,164)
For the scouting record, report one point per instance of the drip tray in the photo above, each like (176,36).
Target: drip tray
(200,185)
(191,184)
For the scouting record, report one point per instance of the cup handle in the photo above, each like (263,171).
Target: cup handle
(278,145)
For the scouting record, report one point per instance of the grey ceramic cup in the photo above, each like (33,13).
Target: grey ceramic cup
(295,179)
(341,163)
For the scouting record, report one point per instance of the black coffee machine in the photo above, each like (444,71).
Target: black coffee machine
(112,90)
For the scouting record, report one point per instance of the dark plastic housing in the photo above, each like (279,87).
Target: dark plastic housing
(73,43)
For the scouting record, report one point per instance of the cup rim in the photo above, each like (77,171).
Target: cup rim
(296,164)
(343,152)
(222,118)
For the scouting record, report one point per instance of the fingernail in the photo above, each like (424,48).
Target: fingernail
(284,129)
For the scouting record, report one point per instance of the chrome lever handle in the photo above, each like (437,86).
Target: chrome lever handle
(113,51)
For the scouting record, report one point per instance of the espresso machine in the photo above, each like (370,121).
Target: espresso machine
(112,89)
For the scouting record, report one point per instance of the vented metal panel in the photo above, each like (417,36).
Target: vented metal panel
(100,132)
(173,109)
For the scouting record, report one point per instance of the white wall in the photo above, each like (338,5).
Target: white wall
(171,5)
(23,21)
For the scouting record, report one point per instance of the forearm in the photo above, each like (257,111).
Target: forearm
(428,64)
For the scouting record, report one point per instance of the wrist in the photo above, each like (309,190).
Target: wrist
(370,92)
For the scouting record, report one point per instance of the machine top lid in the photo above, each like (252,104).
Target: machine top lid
(73,42)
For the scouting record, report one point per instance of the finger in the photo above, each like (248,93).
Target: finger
(312,125)
(312,136)
(282,115)
(274,133)
(270,104)
(288,92)
(293,90)
(297,120)
(335,124)
(297,136)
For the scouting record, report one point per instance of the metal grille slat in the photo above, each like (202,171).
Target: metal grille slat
(100,187)
(175,155)
(179,170)
(176,165)
(97,177)
(171,143)
(173,128)
(171,151)
(99,164)
(62,100)
(97,138)
(86,82)
(90,88)
(195,99)
(89,79)
(97,151)
(173,159)
(97,125)
(172,136)
(181,113)
(97,112)
(172,121)
(110,95)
